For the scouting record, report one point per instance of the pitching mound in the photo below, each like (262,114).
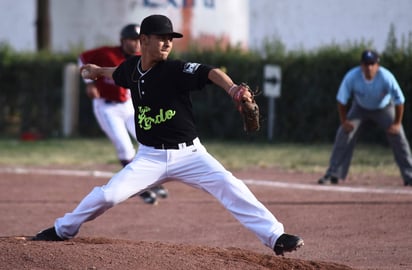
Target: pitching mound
(103,253)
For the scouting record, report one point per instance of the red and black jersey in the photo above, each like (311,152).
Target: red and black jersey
(107,57)
(161,98)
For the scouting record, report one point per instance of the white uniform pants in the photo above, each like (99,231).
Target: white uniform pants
(117,122)
(192,165)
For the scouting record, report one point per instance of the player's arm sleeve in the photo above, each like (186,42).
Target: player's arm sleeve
(195,76)
(123,74)
(396,91)
(344,91)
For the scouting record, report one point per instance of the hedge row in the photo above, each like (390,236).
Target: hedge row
(31,93)
(306,112)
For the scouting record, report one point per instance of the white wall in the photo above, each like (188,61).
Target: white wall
(92,22)
(309,24)
(299,24)
(18,23)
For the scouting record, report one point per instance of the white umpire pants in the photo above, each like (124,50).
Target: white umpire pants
(192,165)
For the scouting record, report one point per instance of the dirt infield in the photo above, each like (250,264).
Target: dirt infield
(365,223)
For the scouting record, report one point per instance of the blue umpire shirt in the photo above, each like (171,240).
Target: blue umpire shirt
(374,94)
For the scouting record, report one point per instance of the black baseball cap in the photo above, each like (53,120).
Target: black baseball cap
(130,31)
(158,25)
(369,57)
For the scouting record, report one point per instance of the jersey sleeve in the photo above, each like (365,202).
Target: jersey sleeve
(192,76)
(394,88)
(124,73)
(90,56)
(345,88)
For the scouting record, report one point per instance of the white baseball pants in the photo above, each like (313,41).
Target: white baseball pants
(117,122)
(192,165)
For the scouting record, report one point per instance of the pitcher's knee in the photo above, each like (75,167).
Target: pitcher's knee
(101,196)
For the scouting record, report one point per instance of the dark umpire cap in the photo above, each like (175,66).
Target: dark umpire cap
(369,57)
(130,31)
(158,25)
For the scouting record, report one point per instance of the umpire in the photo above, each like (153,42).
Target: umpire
(377,97)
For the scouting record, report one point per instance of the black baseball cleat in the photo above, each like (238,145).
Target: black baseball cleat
(149,197)
(161,191)
(287,243)
(328,179)
(47,235)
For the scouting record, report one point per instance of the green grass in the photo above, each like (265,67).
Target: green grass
(57,152)
(301,157)
(233,155)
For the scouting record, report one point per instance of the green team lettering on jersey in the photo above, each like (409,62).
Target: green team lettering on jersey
(146,122)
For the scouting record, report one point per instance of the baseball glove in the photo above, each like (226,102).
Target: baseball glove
(244,99)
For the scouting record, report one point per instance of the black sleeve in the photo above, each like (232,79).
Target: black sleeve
(124,73)
(191,76)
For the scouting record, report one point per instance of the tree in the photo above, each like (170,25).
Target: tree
(43,25)
(391,42)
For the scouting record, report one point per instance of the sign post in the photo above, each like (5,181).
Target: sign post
(271,89)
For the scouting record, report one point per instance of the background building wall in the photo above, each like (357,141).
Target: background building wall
(17,27)
(299,24)
(308,24)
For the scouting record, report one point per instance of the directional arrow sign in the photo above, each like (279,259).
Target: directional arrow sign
(272,81)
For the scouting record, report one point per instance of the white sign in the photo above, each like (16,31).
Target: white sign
(272,81)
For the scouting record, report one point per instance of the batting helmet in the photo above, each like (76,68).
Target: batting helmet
(130,31)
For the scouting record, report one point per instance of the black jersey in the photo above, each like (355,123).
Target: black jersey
(161,98)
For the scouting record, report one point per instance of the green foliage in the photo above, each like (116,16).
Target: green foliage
(86,153)
(391,47)
(31,90)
